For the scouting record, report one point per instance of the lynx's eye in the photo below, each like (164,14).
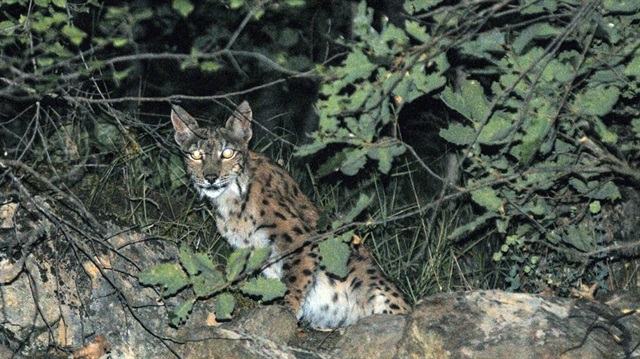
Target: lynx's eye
(196,155)
(228,153)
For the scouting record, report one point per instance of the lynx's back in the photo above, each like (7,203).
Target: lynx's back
(257,204)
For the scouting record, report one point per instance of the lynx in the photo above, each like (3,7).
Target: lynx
(257,204)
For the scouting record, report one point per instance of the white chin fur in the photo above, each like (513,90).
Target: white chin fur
(211,193)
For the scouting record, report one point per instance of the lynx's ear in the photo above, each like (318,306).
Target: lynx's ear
(240,122)
(183,123)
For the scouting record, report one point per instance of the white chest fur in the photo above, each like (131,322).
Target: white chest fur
(240,235)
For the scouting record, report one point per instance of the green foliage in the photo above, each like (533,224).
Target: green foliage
(537,114)
(168,275)
(267,288)
(184,7)
(363,96)
(225,304)
(542,136)
(335,253)
(110,42)
(200,273)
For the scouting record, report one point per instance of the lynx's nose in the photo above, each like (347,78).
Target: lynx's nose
(211,178)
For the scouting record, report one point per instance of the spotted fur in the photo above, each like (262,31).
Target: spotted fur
(257,204)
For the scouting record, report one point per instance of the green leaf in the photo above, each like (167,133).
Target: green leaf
(167,275)
(184,7)
(74,34)
(180,314)
(488,198)
(41,25)
(357,66)
(236,4)
(579,237)
(108,137)
(60,3)
(536,127)
(145,13)
(288,37)
(633,68)
(595,207)
(363,202)
(595,189)
(7,27)
(195,263)
(332,164)
(257,258)
(312,148)
(236,263)
(367,126)
(539,207)
(414,6)
(267,288)
(596,101)
(294,3)
(258,14)
(579,185)
(469,102)
(621,5)
(635,123)
(606,135)
(210,66)
(492,41)
(225,304)
(458,134)
(385,152)
(606,191)
(349,161)
(469,227)
(423,83)
(335,253)
(393,39)
(207,283)
(118,76)
(177,174)
(188,260)
(119,42)
(416,30)
(535,31)
(45,61)
(557,70)
(497,129)
(354,161)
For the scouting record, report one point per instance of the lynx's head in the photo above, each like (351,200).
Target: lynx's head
(215,157)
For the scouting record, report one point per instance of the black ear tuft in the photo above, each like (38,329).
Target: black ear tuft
(239,123)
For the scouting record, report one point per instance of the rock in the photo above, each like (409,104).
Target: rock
(275,323)
(206,343)
(374,337)
(260,333)
(494,324)
(63,285)
(6,353)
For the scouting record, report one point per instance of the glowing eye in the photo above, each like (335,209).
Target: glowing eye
(196,155)
(228,153)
